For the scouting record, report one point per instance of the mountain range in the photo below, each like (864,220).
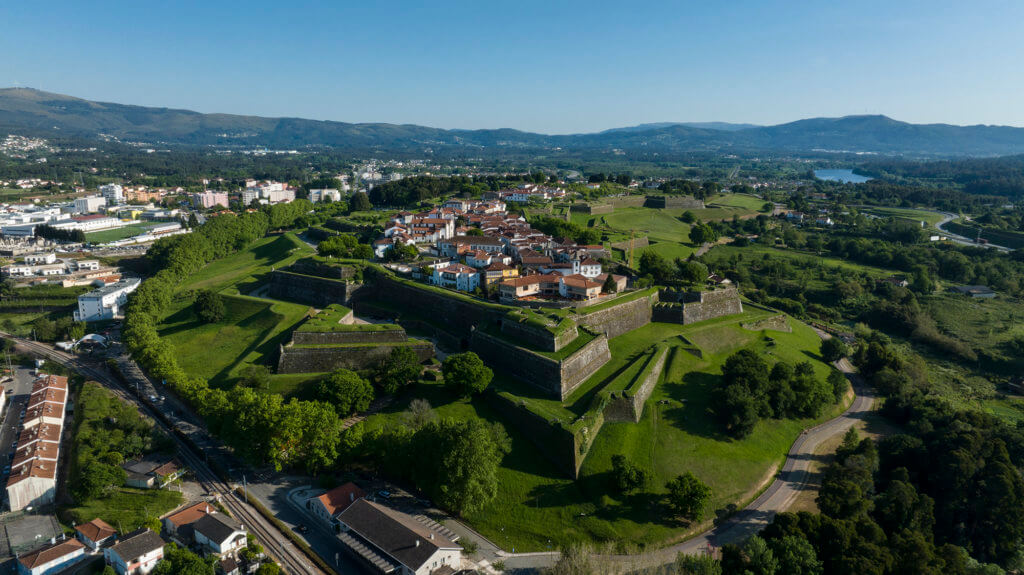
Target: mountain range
(34,112)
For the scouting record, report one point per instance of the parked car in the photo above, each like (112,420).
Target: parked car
(384,493)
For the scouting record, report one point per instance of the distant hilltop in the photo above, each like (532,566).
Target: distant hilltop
(34,112)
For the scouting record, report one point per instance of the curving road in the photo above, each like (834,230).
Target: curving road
(789,482)
(957,238)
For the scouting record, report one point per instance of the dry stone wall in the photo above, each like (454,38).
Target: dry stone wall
(674,202)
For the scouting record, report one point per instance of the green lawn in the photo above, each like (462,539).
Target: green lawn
(252,328)
(104,236)
(250,332)
(743,201)
(246,268)
(127,509)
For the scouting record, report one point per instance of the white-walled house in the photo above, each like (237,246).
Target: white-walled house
(219,534)
(135,554)
(457,276)
(52,558)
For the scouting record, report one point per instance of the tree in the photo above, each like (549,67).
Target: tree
(697,565)
(702,233)
(795,556)
(179,561)
(833,349)
(419,413)
(459,462)
(268,569)
(96,479)
(692,272)
(465,374)
(688,217)
(255,376)
(609,285)
(398,369)
(209,306)
(345,391)
(688,496)
(652,264)
(627,476)
(837,380)
(360,202)
(108,570)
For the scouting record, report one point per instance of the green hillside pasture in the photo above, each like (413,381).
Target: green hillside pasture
(249,333)
(911,214)
(246,268)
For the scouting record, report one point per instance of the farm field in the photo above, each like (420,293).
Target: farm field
(912,214)
(104,236)
(538,508)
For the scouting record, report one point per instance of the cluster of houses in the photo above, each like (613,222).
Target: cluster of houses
(33,476)
(384,539)
(479,245)
(199,527)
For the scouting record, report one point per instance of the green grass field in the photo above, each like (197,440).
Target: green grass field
(743,201)
(104,236)
(252,327)
(912,214)
(537,508)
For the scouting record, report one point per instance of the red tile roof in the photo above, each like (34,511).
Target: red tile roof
(339,498)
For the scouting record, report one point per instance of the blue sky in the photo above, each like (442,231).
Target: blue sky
(553,67)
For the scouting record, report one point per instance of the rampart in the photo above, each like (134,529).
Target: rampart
(537,336)
(322,359)
(556,377)
(348,337)
(674,202)
(637,243)
(310,290)
(712,304)
(593,209)
(557,443)
(617,320)
(628,404)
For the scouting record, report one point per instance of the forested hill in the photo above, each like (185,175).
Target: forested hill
(33,112)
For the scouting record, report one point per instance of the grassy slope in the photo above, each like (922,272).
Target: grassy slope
(252,327)
(535,502)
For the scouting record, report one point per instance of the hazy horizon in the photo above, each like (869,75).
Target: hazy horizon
(537,67)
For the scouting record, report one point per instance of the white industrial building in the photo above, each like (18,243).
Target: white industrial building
(89,204)
(105,302)
(320,195)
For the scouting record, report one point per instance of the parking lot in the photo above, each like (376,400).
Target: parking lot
(17,398)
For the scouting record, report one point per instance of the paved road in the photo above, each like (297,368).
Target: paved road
(957,238)
(292,559)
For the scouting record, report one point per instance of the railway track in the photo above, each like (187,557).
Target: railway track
(276,545)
